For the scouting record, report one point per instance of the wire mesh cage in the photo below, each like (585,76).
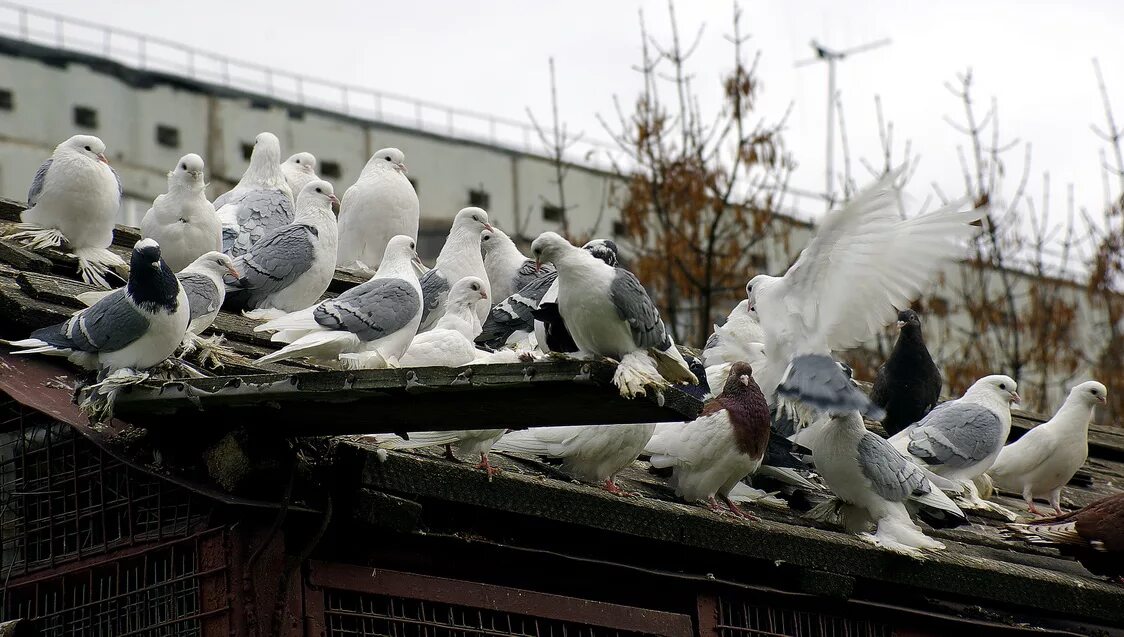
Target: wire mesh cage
(63,498)
(157,593)
(352,614)
(742,618)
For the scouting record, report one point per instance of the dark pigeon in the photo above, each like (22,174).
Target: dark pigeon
(908,384)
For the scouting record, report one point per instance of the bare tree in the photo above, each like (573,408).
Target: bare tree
(703,193)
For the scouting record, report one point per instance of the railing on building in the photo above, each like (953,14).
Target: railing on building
(149,53)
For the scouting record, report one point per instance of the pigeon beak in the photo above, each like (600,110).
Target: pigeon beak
(538,266)
(744,380)
(334,200)
(1102,400)
(401,167)
(488,226)
(103,159)
(483,295)
(233,272)
(901,324)
(196,173)
(1015,397)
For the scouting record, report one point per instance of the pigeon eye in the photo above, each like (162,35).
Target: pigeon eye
(388,157)
(1002,386)
(317,190)
(89,149)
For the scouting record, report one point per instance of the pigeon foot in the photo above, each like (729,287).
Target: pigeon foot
(615,489)
(636,374)
(36,237)
(487,467)
(208,351)
(737,511)
(95,263)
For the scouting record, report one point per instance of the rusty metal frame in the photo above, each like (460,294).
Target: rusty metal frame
(324,575)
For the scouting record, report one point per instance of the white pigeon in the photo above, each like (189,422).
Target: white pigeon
(875,482)
(74,200)
(608,313)
(133,328)
(459,257)
(593,453)
(378,318)
(474,442)
(712,453)
(181,220)
(262,201)
(381,204)
(299,169)
(960,439)
(292,266)
(450,342)
(728,342)
(863,263)
(508,269)
(1040,463)
(202,283)
(549,329)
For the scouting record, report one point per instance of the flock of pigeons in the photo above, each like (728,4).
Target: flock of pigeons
(777,403)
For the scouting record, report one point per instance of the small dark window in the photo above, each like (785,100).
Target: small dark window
(297,114)
(330,169)
(551,212)
(85,117)
(168,136)
(619,229)
(247,150)
(480,198)
(260,105)
(7,100)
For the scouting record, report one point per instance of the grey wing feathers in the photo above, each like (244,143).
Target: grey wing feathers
(956,434)
(527,274)
(276,261)
(372,310)
(222,199)
(37,183)
(106,326)
(515,313)
(890,474)
(259,212)
(203,296)
(435,289)
(120,185)
(818,381)
(635,307)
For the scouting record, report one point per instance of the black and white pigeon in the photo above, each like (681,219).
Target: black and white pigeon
(378,318)
(608,313)
(299,169)
(292,266)
(73,201)
(512,321)
(262,201)
(459,257)
(712,453)
(181,220)
(863,261)
(133,328)
(908,384)
(202,283)
(508,269)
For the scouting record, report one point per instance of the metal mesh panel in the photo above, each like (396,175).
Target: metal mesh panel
(63,498)
(154,594)
(350,614)
(738,618)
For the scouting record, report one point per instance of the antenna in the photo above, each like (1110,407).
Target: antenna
(832,56)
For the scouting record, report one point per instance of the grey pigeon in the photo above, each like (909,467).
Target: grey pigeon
(262,201)
(609,313)
(908,384)
(292,266)
(377,319)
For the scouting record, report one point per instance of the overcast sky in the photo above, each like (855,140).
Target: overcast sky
(492,56)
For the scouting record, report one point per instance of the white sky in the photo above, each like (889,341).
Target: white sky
(492,57)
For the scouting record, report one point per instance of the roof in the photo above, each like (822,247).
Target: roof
(420,497)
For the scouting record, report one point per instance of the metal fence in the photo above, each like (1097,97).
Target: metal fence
(145,52)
